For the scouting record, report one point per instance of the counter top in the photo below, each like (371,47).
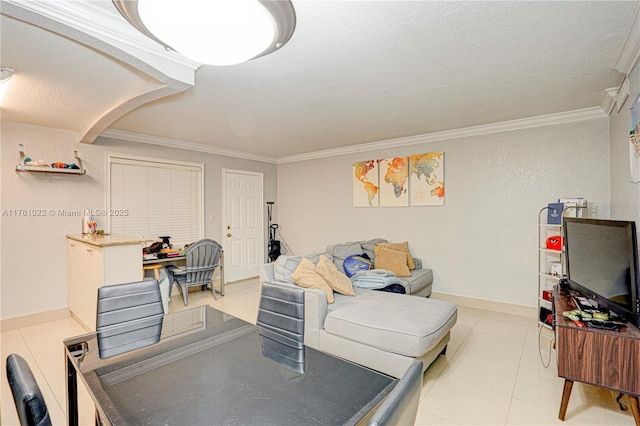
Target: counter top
(109,240)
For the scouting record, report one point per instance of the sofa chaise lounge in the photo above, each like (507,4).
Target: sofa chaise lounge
(381,330)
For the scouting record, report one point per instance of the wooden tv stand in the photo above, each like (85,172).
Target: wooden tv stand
(609,359)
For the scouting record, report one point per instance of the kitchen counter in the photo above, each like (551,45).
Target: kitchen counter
(94,261)
(109,240)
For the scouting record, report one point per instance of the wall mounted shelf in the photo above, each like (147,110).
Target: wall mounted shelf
(25,167)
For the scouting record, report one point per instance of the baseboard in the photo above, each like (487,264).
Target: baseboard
(488,305)
(82,323)
(470,302)
(34,319)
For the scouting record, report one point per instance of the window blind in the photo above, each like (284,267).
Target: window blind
(159,199)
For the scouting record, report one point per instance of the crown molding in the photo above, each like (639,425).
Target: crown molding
(623,93)
(630,52)
(178,144)
(505,126)
(608,99)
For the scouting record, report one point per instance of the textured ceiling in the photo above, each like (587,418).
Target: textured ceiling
(353,72)
(59,83)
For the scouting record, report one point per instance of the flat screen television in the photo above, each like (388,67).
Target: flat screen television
(602,263)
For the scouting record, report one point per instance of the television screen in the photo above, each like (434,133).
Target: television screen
(601,258)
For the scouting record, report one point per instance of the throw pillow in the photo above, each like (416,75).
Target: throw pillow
(341,251)
(356,263)
(284,267)
(392,260)
(338,281)
(315,257)
(306,276)
(367,246)
(401,247)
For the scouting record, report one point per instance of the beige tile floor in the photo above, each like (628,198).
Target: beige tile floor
(492,374)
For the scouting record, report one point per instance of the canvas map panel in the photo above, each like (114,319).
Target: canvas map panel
(365,184)
(394,182)
(427,179)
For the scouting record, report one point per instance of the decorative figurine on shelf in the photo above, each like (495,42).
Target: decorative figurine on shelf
(555,242)
(554,269)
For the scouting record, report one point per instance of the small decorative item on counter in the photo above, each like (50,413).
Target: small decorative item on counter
(183,251)
(85,224)
(59,165)
(93,226)
(166,242)
(89,225)
(153,248)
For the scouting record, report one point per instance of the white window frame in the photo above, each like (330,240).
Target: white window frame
(136,159)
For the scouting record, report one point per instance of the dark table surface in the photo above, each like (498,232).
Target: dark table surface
(209,368)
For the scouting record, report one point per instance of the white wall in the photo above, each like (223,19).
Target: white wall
(483,242)
(625,196)
(33,265)
(480,244)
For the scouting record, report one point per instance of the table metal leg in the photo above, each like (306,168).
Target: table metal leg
(72,392)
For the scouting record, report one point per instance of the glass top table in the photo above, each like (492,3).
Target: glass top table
(209,368)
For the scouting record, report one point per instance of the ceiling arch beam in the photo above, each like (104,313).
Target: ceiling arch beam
(91,25)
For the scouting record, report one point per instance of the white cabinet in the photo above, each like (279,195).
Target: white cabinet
(93,262)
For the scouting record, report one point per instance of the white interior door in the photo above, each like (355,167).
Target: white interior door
(243,224)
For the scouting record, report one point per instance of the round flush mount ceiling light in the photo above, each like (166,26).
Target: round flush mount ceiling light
(215,32)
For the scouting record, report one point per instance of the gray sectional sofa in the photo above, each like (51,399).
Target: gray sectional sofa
(381,330)
(418,284)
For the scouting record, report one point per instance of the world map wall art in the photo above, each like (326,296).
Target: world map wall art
(417,180)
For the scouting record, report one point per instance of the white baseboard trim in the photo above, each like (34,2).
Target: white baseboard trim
(34,319)
(488,305)
(470,302)
(79,321)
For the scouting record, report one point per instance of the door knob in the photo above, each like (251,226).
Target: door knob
(228,235)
